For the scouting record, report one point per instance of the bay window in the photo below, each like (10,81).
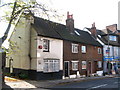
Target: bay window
(51,65)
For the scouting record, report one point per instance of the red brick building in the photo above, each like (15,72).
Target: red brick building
(82,54)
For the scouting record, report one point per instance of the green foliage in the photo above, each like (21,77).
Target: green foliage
(7,74)
(4,49)
(20,7)
(23,76)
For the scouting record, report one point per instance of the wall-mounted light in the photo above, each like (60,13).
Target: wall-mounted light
(40,47)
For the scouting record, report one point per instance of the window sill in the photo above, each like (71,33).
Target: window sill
(51,72)
(83,53)
(74,69)
(75,52)
(84,69)
(45,51)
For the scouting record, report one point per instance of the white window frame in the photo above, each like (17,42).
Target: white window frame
(51,65)
(83,49)
(99,64)
(46,45)
(112,38)
(74,48)
(74,65)
(99,51)
(85,62)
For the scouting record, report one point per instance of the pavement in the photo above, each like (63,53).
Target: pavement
(32,84)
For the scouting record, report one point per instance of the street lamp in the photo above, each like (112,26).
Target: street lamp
(108,48)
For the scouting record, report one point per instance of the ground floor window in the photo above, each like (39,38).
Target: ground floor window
(75,65)
(51,65)
(99,64)
(84,64)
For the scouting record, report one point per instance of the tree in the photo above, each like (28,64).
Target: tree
(9,25)
(21,6)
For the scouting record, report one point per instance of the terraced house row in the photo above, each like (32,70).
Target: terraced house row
(42,49)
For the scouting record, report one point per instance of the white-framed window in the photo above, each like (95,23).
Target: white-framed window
(112,38)
(84,64)
(51,65)
(83,48)
(46,45)
(99,64)
(74,65)
(74,48)
(99,51)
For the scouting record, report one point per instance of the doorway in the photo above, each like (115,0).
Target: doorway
(95,67)
(89,68)
(66,68)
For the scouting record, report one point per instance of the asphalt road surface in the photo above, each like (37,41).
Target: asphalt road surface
(106,83)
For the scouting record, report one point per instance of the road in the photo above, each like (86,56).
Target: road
(106,83)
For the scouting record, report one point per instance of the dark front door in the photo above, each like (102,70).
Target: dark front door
(89,68)
(95,67)
(66,68)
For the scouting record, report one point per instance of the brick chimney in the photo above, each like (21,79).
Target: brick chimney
(93,31)
(70,23)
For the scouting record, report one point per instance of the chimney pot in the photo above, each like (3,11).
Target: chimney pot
(93,25)
(70,22)
(93,31)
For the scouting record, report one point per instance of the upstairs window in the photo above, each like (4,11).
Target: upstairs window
(112,38)
(99,51)
(74,48)
(46,45)
(51,66)
(74,65)
(83,48)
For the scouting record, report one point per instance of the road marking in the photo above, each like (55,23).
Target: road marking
(97,86)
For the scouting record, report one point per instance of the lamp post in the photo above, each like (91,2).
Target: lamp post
(108,48)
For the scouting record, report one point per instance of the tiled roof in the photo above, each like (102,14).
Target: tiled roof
(55,30)
(104,39)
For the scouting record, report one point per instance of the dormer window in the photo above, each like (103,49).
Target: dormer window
(112,38)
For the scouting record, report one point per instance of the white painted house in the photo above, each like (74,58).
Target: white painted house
(34,54)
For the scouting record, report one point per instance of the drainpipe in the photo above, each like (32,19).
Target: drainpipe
(30,48)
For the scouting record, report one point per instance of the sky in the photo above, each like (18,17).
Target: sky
(85,12)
